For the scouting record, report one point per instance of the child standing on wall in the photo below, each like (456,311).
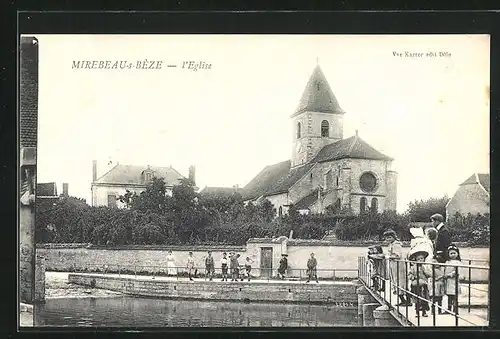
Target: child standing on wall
(450,274)
(190,265)
(209,265)
(234,267)
(223,264)
(248,267)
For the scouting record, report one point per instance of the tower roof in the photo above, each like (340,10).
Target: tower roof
(318,96)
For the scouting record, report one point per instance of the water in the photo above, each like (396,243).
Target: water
(141,312)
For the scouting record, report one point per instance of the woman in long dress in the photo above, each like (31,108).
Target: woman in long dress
(171,264)
(397,270)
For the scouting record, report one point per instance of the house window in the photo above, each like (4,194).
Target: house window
(325,126)
(111,200)
(374,206)
(362,205)
(298,130)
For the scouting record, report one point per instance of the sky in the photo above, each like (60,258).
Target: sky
(431,114)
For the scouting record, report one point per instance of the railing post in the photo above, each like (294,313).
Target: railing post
(397,279)
(470,263)
(406,286)
(433,297)
(456,296)
(418,297)
(390,287)
(333,275)
(135,271)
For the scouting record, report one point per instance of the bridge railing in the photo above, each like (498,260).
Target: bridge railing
(182,272)
(390,278)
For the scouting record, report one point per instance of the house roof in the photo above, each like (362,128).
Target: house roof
(307,201)
(289,179)
(220,191)
(353,147)
(265,179)
(479,178)
(48,189)
(318,96)
(28,92)
(130,174)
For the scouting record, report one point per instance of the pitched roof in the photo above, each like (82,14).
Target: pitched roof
(289,179)
(318,96)
(267,177)
(48,189)
(129,174)
(307,201)
(353,147)
(28,91)
(220,191)
(478,178)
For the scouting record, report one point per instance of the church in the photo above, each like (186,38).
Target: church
(326,169)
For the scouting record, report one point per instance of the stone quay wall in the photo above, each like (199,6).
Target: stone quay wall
(341,256)
(341,293)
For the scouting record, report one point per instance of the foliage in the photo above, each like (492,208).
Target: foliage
(422,210)
(186,217)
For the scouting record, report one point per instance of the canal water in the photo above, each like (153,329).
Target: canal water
(142,312)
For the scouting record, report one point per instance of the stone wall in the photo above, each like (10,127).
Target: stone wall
(150,260)
(26,254)
(330,255)
(249,292)
(40,278)
(468,199)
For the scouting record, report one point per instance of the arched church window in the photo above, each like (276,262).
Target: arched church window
(298,130)
(337,181)
(311,177)
(280,211)
(374,206)
(325,126)
(368,182)
(362,205)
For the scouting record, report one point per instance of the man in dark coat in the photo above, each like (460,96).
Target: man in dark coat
(443,240)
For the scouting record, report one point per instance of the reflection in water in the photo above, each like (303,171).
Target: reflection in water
(141,312)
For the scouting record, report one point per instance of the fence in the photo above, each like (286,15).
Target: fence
(177,272)
(423,282)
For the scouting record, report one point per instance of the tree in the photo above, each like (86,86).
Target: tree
(422,210)
(153,199)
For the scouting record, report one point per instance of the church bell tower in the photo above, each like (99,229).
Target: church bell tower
(317,121)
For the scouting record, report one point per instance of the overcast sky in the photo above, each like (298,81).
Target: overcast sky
(429,113)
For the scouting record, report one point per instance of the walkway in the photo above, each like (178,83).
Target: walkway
(476,317)
(216,280)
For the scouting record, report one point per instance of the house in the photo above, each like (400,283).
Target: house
(220,191)
(325,168)
(472,196)
(122,178)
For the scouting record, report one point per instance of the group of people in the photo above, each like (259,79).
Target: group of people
(425,276)
(311,271)
(228,264)
(231,267)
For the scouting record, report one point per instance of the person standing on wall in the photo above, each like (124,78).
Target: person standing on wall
(223,264)
(209,265)
(312,263)
(443,240)
(283,266)
(190,265)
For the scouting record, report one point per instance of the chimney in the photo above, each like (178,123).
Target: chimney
(94,170)
(65,189)
(192,174)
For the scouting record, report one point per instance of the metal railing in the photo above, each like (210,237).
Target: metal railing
(178,272)
(384,278)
